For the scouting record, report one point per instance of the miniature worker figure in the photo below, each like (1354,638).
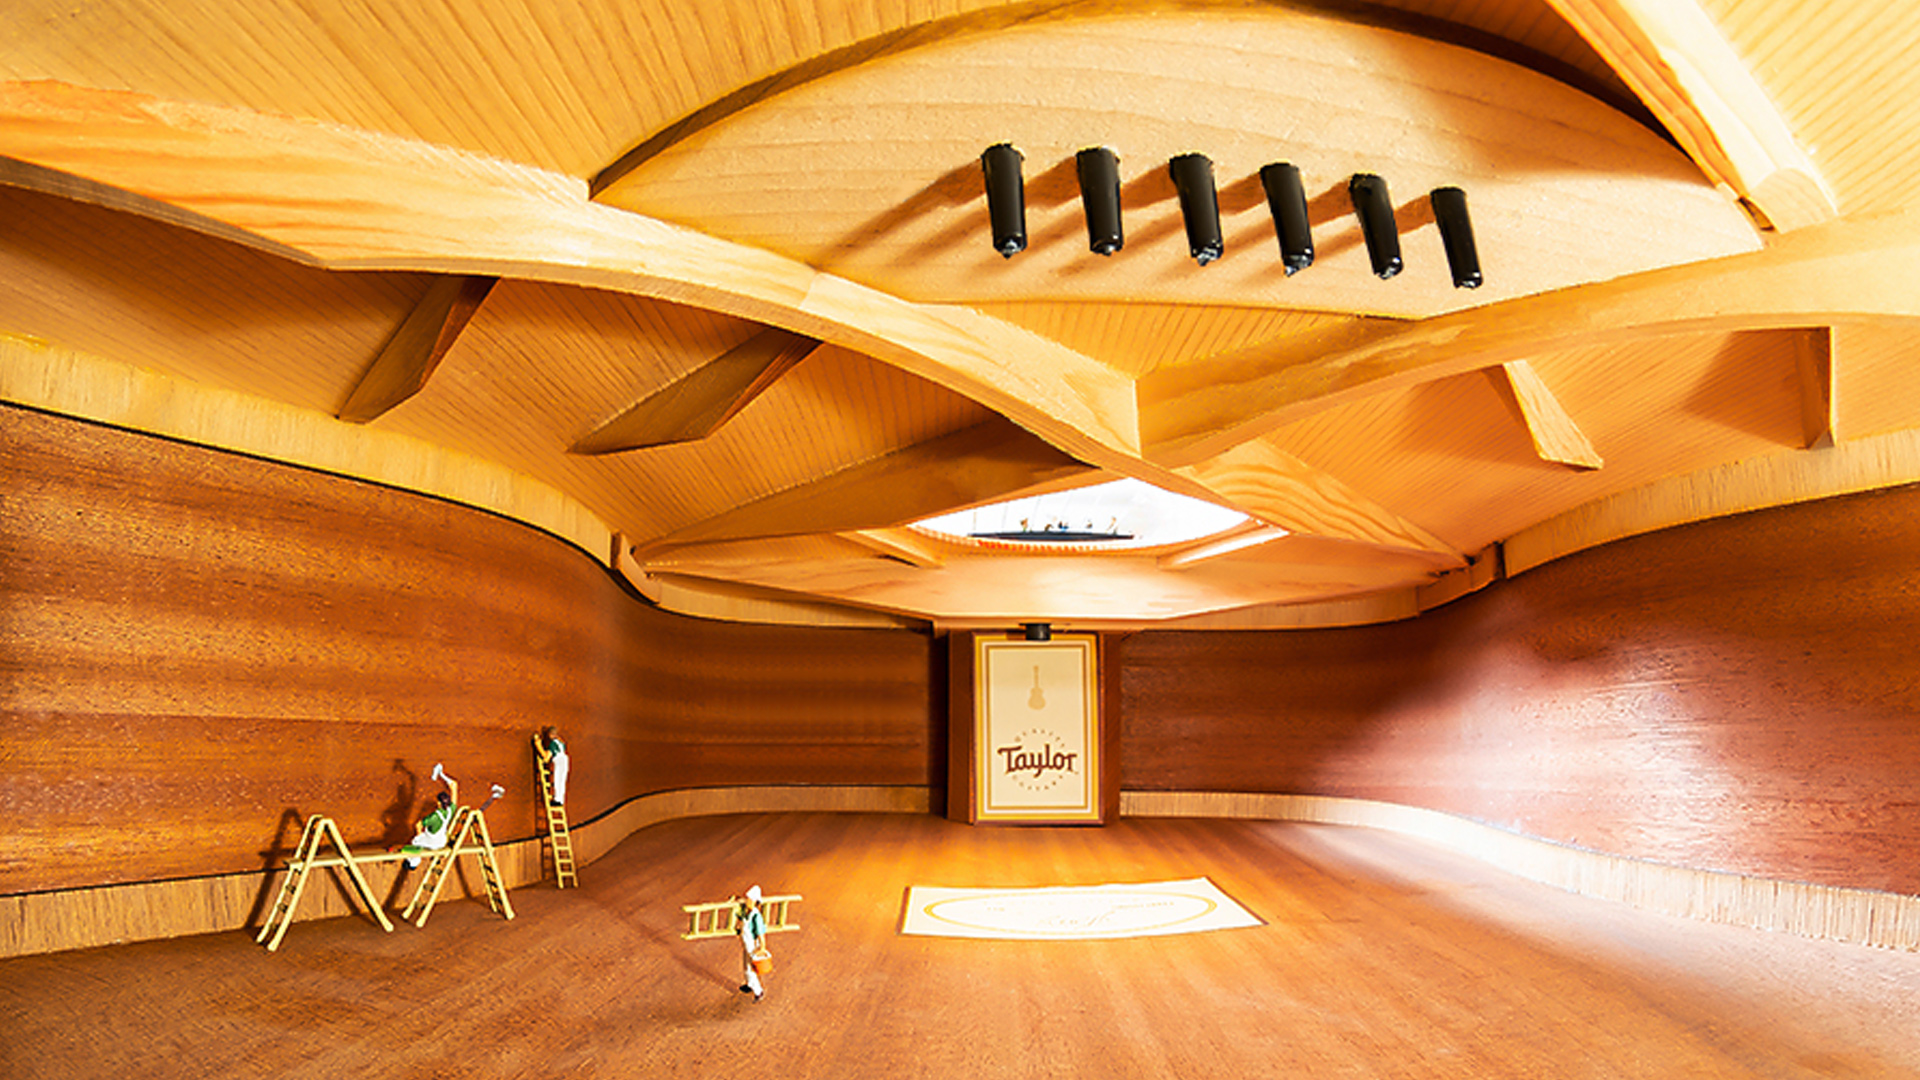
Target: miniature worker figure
(554,753)
(433,828)
(753,939)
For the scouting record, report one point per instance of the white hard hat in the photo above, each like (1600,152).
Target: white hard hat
(753,894)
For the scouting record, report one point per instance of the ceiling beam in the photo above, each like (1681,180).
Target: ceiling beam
(354,200)
(903,545)
(409,358)
(1280,489)
(1009,588)
(728,601)
(954,471)
(1673,56)
(1814,358)
(1857,269)
(1251,534)
(1556,437)
(700,402)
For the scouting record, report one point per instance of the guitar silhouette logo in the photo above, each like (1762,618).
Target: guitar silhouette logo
(1036,700)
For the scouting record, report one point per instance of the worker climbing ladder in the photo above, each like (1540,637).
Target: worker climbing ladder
(470,837)
(559,836)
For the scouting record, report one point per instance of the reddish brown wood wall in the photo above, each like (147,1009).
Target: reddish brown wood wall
(1741,695)
(198,649)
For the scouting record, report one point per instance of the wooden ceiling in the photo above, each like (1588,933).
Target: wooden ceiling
(708,288)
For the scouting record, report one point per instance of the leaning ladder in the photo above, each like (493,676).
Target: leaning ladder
(559,836)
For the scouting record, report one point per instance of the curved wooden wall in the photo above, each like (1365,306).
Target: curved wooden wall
(1739,695)
(201,648)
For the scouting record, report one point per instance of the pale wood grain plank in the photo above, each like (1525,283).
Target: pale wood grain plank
(1556,436)
(355,200)
(1565,190)
(416,349)
(949,473)
(909,546)
(1279,488)
(1814,358)
(1678,62)
(699,402)
(1845,270)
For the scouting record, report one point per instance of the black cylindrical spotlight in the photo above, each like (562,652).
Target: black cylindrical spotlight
(1006,199)
(1456,233)
(1199,205)
(1100,196)
(1375,210)
(1038,631)
(1287,199)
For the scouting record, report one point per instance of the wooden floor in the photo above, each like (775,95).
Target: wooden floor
(1379,957)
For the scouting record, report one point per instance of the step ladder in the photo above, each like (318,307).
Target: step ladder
(559,836)
(307,858)
(470,837)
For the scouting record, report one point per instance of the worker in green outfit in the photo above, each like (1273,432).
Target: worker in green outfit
(433,828)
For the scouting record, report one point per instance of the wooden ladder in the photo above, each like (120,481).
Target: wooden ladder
(720,918)
(559,836)
(306,858)
(469,823)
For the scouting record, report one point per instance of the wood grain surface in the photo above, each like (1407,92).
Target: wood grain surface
(202,647)
(1376,957)
(243,210)
(1735,695)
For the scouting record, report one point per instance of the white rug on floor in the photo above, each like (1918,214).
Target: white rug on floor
(1073,913)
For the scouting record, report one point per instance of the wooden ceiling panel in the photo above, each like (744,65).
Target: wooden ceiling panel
(873,174)
(562,86)
(541,365)
(1433,454)
(1528,25)
(847,137)
(1332,567)
(1139,338)
(608,350)
(1106,587)
(1873,379)
(1844,78)
(965,468)
(111,284)
(1454,456)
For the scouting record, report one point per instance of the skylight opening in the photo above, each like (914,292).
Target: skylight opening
(1116,516)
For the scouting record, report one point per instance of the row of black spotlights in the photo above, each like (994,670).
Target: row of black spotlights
(1099,170)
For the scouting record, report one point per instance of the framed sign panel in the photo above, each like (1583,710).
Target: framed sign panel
(1034,746)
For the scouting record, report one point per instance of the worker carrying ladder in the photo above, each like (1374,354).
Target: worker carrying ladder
(721,918)
(750,918)
(551,762)
(469,837)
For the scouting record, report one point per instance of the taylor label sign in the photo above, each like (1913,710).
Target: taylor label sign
(1037,734)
